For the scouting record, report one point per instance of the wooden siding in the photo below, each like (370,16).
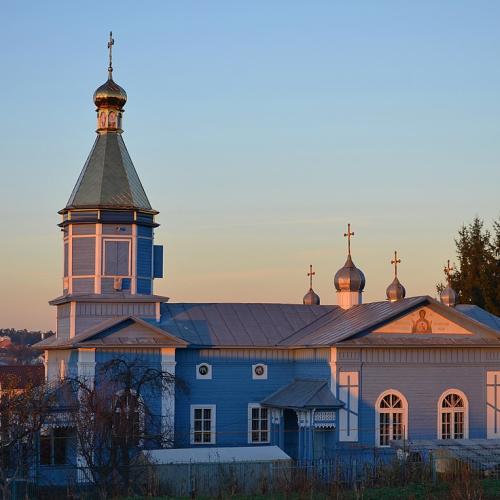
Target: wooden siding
(157,261)
(144,286)
(83,285)
(83,229)
(104,310)
(145,231)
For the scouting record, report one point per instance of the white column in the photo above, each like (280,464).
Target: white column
(98,258)
(168,397)
(333,370)
(133,281)
(70,258)
(86,366)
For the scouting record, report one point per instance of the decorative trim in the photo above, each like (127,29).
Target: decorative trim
(204,371)
(349,416)
(259,371)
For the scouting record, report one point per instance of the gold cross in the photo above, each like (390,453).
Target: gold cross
(311,273)
(110,48)
(448,270)
(348,236)
(396,261)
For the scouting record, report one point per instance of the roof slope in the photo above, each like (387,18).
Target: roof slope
(303,393)
(237,324)
(478,314)
(109,178)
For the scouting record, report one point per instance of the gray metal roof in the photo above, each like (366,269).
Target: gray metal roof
(259,325)
(108,178)
(303,393)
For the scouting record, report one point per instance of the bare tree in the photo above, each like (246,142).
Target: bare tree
(23,412)
(114,417)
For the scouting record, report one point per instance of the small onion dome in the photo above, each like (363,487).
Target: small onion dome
(449,297)
(311,298)
(349,278)
(110,94)
(395,291)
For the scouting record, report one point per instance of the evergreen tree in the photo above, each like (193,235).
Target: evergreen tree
(476,278)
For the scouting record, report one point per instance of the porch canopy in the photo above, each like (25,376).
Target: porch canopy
(304,394)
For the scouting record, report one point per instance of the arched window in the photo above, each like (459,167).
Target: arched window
(392,417)
(453,418)
(128,417)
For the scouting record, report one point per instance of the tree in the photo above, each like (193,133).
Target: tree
(23,412)
(476,278)
(114,417)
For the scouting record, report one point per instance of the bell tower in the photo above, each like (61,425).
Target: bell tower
(108,228)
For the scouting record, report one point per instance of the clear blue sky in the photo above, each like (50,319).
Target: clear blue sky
(259,129)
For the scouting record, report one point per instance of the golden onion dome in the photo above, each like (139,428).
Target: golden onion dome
(395,291)
(311,298)
(449,297)
(349,278)
(110,94)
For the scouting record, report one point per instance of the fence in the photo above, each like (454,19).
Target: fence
(227,479)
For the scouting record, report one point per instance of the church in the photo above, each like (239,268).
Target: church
(315,380)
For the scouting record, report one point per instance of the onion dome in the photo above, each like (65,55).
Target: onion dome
(448,296)
(395,291)
(110,94)
(349,278)
(311,298)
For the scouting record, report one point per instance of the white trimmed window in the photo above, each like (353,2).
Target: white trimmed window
(392,417)
(453,418)
(258,424)
(493,404)
(203,424)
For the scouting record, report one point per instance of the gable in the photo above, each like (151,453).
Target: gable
(423,321)
(131,331)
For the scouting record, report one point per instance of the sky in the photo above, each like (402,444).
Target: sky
(259,130)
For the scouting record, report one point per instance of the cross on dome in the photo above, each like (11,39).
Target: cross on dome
(448,271)
(348,236)
(396,261)
(310,274)
(111,42)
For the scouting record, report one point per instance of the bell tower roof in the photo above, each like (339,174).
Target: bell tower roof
(109,179)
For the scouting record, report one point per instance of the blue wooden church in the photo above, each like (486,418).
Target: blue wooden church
(315,380)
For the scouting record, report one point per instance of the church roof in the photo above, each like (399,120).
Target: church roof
(294,325)
(303,393)
(108,178)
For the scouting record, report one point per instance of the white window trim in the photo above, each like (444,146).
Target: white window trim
(126,240)
(251,406)
(213,426)
(259,377)
(378,412)
(440,412)
(208,376)
(492,404)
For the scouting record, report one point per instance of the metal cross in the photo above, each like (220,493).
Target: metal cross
(396,261)
(348,236)
(448,270)
(311,273)
(110,48)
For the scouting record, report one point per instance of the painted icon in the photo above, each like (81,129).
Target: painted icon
(422,324)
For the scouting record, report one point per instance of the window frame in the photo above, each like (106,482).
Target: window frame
(260,431)
(140,414)
(452,412)
(213,424)
(53,452)
(390,411)
(127,240)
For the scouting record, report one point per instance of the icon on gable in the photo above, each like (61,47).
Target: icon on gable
(421,324)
